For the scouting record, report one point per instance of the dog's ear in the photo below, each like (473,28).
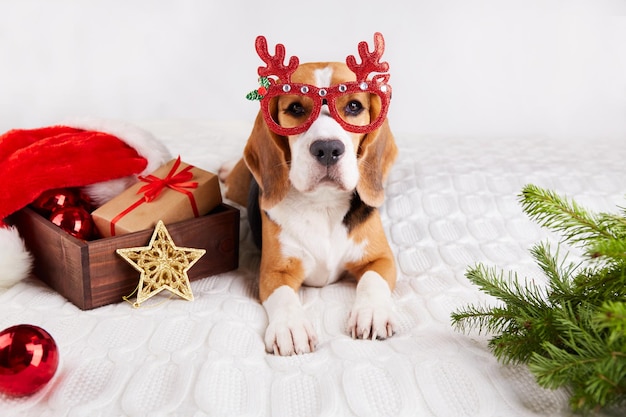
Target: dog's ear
(377,152)
(267,154)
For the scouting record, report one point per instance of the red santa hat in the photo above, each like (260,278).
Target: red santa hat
(104,157)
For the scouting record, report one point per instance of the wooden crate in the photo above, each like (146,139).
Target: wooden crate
(90,274)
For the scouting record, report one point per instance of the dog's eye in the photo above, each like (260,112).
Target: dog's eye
(296,109)
(353,108)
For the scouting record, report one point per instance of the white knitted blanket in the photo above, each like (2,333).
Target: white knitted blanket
(451,202)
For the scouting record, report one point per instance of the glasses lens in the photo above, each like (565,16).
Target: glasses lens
(291,111)
(358,109)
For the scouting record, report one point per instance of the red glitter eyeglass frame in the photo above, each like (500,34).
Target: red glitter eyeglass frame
(280,84)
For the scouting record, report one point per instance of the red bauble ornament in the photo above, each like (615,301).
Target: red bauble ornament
(28,359)
(74,220)
(85,201)
(54,199)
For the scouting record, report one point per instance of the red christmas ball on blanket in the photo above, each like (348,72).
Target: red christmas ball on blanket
(28,359)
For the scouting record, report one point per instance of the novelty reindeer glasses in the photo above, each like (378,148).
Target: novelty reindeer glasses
(345,101)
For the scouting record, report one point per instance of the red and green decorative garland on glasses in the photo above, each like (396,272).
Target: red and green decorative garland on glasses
(259,93)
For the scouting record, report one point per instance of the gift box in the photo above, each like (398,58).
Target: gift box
(175,192)
(90,274)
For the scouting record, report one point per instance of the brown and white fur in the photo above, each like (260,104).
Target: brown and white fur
(319,222)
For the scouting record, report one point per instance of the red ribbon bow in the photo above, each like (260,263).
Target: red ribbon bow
(155,186)
(175,181)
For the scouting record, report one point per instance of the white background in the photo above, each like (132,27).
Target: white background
(458,67)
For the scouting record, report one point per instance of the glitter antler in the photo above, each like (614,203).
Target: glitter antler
(275,63)
(370,61)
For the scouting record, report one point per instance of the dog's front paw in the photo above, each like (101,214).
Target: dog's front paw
(289,331)
(371,322)
(372,315)
(289,336)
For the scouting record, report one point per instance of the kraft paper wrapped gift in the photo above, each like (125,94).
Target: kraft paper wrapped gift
(175,192)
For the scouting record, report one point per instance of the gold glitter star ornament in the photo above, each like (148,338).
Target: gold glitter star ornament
(163,265)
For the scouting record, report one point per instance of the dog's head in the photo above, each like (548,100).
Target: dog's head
(322,125)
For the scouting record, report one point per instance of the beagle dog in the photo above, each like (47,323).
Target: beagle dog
(312,177)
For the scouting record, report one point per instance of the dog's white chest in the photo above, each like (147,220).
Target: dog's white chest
(313,231)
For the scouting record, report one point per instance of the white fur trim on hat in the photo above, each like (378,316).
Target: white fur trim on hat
(15,260)
(141,140)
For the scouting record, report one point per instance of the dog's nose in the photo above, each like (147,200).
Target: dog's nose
(327,152)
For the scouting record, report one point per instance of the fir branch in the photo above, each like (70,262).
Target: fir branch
(594,374)
(522,324)
(559,272)
(562,215)
(611,316)
(485,319)
(590,368)
(596,284)
(612,250)
(573,332)
(512,348)
(613,222)
(557,367)
(508,290)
